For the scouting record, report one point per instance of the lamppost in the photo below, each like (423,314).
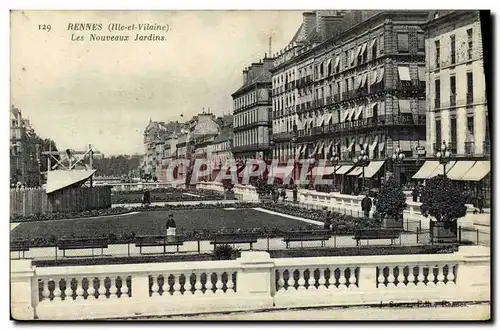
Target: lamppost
(335,161)
(444,156)
(397,160)
(362,161)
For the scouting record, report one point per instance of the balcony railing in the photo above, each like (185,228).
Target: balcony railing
(251,147)
(384,120)
(437,103)
(453,100)
(470,98)
(486,148)
(469,148)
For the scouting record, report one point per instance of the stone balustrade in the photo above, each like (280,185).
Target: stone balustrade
(139,186)
(210,185)
(253,281)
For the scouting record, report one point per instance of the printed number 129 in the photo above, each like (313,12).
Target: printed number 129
(45,27)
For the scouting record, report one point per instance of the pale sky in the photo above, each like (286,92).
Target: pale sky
(104,93)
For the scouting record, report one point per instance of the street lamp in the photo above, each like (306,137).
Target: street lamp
(362,161)
(335,161)
(444,156)
(397,160)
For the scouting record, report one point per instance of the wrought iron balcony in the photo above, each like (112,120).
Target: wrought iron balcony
(469,148)
(453,100)
(486,148)
(470,98)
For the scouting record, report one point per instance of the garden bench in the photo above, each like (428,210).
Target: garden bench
(150,241)
(222,239)
(20,246)
(307,236)
(82,243)
(373,234)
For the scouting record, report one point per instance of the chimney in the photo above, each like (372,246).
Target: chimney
(268,63)
(309,21)
(245,76)
(328,23)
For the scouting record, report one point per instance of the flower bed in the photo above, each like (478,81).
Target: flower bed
(168,195)
(341,223)
(122,210)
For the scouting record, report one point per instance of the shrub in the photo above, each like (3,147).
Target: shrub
(391,201)
(442,200)
(225,252)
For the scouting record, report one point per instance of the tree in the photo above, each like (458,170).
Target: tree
(441,200)
(391,201)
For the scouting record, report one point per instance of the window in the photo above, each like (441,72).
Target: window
(438,53)
(470,88)
(453,91)
(438,134)
(420,42)
(453,135)
(403,42)
(437,93)
(374,50)
(346,56)
(470,125)
(469,44)
(453,49)
(382,45)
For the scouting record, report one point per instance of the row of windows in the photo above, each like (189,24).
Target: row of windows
(245,100)
(437,49)
(283,78)
(453,90)
(469,133)
(246,118)
(283,102)
(246,137)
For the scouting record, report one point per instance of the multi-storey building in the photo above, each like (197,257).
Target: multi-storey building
(251,115)
(359,85)
(220,149)
(24,151)
(155,136)
(457,108)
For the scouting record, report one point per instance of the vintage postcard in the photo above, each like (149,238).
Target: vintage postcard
(250,165)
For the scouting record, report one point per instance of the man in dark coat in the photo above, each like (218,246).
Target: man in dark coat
(146,200)
(328,221)
(283,194)
(366,206)
(295,192)
(414,193)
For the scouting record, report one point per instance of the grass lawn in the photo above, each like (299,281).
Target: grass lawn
(153,223)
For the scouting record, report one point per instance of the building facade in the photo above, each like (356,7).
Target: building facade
(155,136)
(359,85)
(251,115)
(24,151)
(457,108)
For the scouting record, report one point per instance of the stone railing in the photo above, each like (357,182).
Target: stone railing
(138,186)
(254,281)
(214,186)
(246,193)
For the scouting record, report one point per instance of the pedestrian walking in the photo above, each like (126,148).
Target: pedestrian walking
(328,221)
(171,227)
(295,193)
(366,206)
(415,193)
(146,198)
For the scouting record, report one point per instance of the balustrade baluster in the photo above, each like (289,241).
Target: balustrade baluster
(421,276)
(440,276)
(322,280)
(302,281)
(188,286)
(112,288)
(352,278)
(401,277)
(450,276)
(177,285)
(91,289)
(198,285)
(45,289)
(411,276)
(391,278)
(79,288)
(124,288)
(342,279)
(281,280)
(209,285)
(219,284)
(431,277)
(57,289)
(229,283)
(155,288)
(102,287)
